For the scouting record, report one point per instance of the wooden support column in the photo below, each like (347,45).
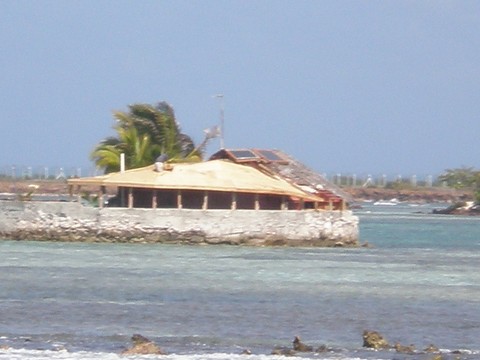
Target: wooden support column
(71,192)
(284,205)
(205,201)
(154,199)
(101,195)
(79,195)
(234,201)
(179,199)
(330,204)
(257,202)
(130,198)
(302,204)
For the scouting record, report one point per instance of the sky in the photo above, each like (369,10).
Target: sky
(350,87)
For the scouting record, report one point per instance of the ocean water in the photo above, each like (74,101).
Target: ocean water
(419,284)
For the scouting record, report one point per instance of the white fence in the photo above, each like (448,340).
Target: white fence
(45,172)
(383,180)
(19,172)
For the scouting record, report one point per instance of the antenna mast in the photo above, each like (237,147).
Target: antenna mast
(222,120)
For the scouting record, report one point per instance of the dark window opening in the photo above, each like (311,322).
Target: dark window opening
(219,200)
(192,199)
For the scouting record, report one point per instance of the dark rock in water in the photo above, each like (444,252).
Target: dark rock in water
(374,340)
(322,349)
(460,208)
(246,352)
(449,210)
(139,339)
(143,346)
(298,345)
(283,351)
(404,349)
(431,349)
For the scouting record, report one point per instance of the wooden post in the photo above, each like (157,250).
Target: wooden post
(100,199)
(154,199)
(234,201)
(130,198)
(330,204)
(71,191)
(257,202)
(79,195)
(179,199)
(100,196)
(205,200)
(302,204)
(284,205)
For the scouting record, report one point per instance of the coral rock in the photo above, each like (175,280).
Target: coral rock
(374,340)
(404,349)
(298,345)
(143,346)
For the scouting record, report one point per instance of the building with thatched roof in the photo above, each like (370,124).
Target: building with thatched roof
(231,179)
(243,197)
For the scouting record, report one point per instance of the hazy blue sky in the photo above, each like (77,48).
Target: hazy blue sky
(344,86)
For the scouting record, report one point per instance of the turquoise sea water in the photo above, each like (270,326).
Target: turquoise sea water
(419,284)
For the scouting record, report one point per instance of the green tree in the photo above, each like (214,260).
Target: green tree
(458,178)
(463,178)
(143,133)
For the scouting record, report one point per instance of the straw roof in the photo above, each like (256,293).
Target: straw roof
(214,175)
(285,166)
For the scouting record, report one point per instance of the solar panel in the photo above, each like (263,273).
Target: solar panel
(269,155)
(243,154)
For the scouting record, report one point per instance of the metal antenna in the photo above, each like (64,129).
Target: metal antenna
(222,120)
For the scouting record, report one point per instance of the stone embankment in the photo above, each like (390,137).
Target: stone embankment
(71,221)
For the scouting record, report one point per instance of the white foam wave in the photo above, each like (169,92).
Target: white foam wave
(23,354)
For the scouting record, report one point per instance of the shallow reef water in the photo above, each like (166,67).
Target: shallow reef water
(419,284)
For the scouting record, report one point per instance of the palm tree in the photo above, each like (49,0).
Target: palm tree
(144,133)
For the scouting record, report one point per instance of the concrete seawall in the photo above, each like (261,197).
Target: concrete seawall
(71,221)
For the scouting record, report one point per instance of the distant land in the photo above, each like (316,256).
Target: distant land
(359,194)
(414,195)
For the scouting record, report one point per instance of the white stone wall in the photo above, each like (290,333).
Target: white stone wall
(74,222)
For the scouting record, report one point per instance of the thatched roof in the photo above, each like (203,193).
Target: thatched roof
(214,175)
(285,166)
(300,174)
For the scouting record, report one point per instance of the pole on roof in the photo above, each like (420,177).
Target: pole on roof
(122,162)
(222,120)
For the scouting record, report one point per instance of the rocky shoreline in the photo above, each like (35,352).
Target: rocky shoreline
(372,340)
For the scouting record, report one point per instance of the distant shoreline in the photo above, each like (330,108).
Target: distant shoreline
(417,195)
(359,194)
